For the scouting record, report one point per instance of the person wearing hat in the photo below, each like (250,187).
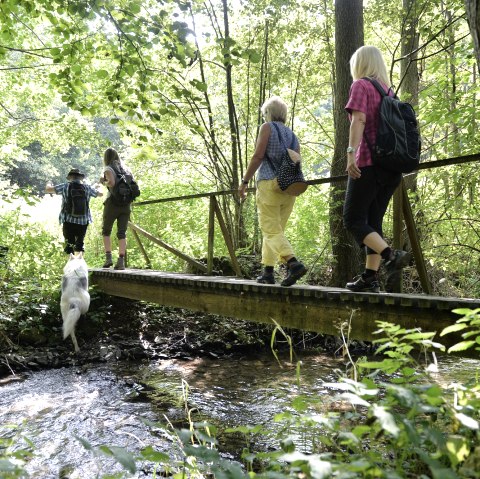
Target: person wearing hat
(75,215)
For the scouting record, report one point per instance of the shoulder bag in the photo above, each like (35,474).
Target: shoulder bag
(289,174)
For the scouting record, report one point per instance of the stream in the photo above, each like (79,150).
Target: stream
(132,405)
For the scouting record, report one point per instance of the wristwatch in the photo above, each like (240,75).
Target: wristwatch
(351,149)
(245,182)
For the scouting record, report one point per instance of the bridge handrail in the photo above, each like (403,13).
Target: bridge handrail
(319,181)
(215,212)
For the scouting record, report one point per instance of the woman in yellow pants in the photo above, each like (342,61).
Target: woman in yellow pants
(274,206)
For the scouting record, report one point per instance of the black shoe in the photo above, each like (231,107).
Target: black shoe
(365,285)
(398,260)
(295,271)
(266,278)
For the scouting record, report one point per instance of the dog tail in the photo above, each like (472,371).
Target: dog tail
(70,320)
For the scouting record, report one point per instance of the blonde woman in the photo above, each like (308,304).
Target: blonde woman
(369,188)
(112,212)
(274,207)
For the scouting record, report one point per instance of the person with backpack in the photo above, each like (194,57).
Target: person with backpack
(75,215)
(370,187)
(122,190)
(274,205)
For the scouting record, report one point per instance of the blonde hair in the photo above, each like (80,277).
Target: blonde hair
(368,61)
(275,109)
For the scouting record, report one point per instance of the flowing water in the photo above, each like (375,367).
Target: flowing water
(131,405)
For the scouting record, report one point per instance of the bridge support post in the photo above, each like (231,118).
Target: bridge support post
(211,235)
(226,237)
(415,241)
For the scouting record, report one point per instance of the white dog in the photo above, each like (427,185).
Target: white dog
(75,299)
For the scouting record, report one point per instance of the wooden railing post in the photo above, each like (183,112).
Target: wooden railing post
(142,249)
(415,241)
(226,237)
(396,281)
(211,234)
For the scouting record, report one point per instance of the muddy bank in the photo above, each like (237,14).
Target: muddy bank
(117,328)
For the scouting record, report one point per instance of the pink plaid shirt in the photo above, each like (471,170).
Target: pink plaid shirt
(364,97)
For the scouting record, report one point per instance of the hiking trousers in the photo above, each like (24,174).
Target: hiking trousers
(366,201)
(274,209)
(74,237)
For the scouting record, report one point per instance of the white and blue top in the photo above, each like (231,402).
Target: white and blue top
(275,150)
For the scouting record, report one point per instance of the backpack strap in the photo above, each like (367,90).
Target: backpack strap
(280,137)
(383,94)
(379,87)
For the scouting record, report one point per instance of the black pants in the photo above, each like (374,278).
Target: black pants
(74,237)
(366,202)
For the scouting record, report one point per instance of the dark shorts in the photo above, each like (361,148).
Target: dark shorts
(112,213)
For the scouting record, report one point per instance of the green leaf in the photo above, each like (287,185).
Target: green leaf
(386,420)
(458,449)
(135,8)
(150,454)
(102,74)
(453,328)
(466,311)
(84,443)
(462,346)
(125,458)
(467,421)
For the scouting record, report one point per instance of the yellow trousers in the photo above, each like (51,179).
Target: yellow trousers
(274,209)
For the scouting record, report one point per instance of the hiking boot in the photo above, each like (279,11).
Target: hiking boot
(108,260)
(295,271)
(364,285)
(398,260)
(266,278)
(120,263)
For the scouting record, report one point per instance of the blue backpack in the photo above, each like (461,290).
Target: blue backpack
(397,145)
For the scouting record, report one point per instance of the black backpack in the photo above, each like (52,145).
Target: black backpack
(125,189)
(76,203)
(397,145)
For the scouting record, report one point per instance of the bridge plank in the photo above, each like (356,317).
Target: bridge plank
(305,307)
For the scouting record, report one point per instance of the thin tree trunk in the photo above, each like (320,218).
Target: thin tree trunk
(233,219)
(472,7)
(349,37)
(409,92)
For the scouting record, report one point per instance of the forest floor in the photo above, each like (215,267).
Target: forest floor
(119,329)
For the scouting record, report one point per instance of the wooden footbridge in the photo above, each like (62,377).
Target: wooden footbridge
(304,307)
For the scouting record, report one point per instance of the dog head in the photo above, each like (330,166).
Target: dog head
(76,264)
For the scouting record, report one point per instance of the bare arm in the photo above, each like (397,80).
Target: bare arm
(49,188)
(98,189)
(357,126)
(257,158)
(108,179)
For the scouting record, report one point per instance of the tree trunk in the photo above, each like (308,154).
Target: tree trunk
(472,7)
(349,37)
(232,218)
(409,92)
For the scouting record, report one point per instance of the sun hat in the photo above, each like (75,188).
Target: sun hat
(75,172)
